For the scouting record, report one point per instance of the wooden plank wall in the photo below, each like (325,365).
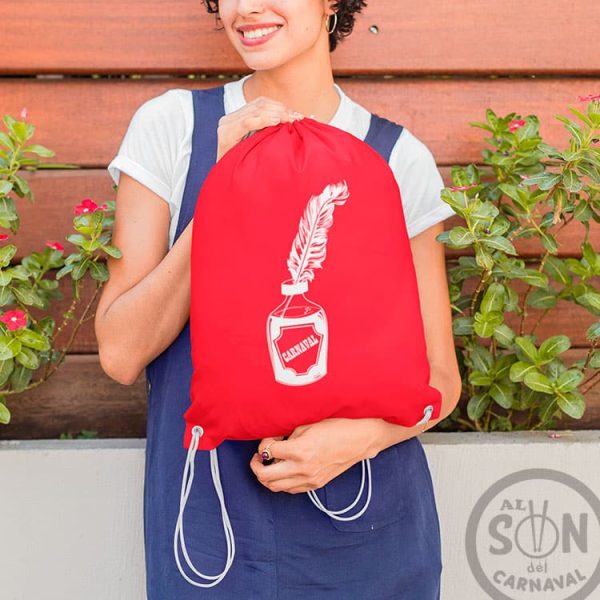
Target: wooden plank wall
(82,68)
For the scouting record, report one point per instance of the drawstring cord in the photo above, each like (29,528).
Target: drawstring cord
(334,513)
(197,433)
(186,486)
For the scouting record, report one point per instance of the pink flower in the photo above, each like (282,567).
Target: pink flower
(461,188)
(55,246)
(87,205)
(515,124)
(23,114)
(14,319)
(589,98)
(3,236)
(103,207)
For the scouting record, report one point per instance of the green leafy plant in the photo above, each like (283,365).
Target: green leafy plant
(514,380)
(85,434)
(28,341)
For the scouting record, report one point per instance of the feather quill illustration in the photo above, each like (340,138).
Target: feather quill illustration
(309,246)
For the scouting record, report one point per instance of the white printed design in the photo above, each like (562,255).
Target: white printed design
(297,333)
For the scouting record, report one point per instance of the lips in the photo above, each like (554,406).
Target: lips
(252,26)
(261,39)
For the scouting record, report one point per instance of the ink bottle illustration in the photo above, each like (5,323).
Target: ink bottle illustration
(297,333)
(297,330)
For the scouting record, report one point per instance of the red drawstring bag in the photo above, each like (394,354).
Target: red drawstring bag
(304,298)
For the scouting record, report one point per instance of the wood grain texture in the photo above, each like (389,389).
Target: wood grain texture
(178,36)
(84,121)
(81,396)
(431,66)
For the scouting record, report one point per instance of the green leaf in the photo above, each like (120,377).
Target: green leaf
(572,404)
(484,259)
(504,335)
(557,269)
(4,414)
(39,150)
(28,358)
(76,239)
(28,296)
(98,271)
(528,347)
(533,277)
(461,237)
(486,324)
(480,379)
(6,368)
(571,181)
(481,359)
(569,380)
(493,299)
(520,369)
(33,339)
(499,243)
(80,269)
(462,326)
(502,394)
(553,346)
(6,254)
(20,377)
(549,242)
(9,347)
(112,251)
(476,406)
(538,381)
(595,359)
(542,298)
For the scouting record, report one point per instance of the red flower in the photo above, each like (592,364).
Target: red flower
(3,236)
(86,206)
(14,319)
(55,246)
(103,207)
(23,114)
(515,124)
(589,97)
(461,188)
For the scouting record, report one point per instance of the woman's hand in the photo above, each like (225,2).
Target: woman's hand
(315,454)
(260,112)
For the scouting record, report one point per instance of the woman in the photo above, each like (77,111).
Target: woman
(285,548)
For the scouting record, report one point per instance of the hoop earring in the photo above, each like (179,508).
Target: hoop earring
(334,22)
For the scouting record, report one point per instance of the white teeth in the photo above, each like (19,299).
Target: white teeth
(257,33)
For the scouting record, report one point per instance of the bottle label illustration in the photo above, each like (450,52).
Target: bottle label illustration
(297,332)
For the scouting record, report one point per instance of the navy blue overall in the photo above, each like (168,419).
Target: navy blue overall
(286,549)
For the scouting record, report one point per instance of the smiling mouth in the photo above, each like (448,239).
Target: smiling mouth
(259,33)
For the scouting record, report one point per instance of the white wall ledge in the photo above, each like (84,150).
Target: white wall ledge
(72,523)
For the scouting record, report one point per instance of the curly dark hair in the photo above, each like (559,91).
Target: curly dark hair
(345,9)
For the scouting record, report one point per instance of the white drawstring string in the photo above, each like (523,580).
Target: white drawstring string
(334,513)
(197,432)
(186,486)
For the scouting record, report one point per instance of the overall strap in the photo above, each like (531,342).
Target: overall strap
(382,135)
(208,109)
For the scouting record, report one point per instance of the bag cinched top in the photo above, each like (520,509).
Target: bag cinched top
(304,298)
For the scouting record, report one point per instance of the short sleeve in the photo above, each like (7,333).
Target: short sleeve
(420,183)
(150,146)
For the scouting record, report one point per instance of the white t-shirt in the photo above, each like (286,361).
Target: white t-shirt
(157,146)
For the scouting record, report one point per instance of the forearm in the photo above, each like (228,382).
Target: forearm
(138,326)
(385,434)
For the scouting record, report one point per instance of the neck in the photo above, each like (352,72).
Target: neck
(300,85)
